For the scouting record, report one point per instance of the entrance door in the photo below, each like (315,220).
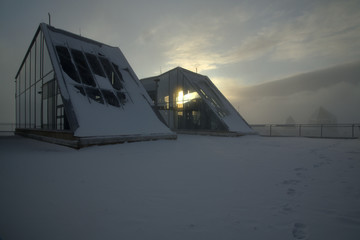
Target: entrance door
(49,103)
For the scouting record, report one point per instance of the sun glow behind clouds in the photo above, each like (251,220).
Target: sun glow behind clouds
(318,33)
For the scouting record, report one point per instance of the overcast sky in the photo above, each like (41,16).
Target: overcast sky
(235,43)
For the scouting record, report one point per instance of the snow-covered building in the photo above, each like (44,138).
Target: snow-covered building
(188,101)
(76,91)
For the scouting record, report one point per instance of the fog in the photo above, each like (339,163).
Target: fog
(337,89)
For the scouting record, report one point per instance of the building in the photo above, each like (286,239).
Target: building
(76,91)
(190,102)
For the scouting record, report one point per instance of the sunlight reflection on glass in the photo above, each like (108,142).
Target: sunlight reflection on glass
(181,98)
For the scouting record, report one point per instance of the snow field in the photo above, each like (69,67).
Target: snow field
(197,187)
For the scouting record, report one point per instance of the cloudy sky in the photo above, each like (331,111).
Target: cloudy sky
(236,43)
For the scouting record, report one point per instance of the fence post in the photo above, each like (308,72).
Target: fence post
(321,130)
(353,131)
(270,130)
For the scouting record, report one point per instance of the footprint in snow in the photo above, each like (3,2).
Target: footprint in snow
(291,192)
(291,182)
(299,231)
(286,209)
(300,171)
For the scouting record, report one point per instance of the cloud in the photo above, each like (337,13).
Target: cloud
(327,30)
(194,41)
(336,88)
(340,99)
(229,87)
(310,81)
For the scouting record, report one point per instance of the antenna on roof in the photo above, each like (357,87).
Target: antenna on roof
(49,19)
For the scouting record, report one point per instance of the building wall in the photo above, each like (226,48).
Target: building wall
(180,105)
(38,101)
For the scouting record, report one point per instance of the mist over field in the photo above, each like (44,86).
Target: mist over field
(336,89)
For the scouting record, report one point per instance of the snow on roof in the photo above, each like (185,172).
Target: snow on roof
(111,101)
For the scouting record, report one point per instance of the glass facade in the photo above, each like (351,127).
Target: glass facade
(181,105)
(69,87)
(38,101)
(88,72)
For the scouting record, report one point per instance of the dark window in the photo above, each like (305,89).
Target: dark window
(48,89)
(152,95)
(94,94)
(80,90)
(95,65)
(122,97)
(110,98)
(116,67)
(83,68)
(66,63)
(113,78)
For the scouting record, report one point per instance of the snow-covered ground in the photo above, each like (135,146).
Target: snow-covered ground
(196,187)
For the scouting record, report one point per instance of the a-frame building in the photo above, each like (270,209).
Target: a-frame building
(76,91)
(190,102)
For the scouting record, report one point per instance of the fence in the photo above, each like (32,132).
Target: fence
(309,130)
(7,129)
(274,130)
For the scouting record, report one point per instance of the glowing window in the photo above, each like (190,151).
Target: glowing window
(181,98)
(167,102)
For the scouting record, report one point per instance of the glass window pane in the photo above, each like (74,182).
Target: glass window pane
(66,63)
(38,104)
(94,94)
(37,57)
(110,98)
(83,68)
(59,111)
(44,114)
(22,110)
(122,97)
(80,90)
(117,70)
(47,61)
(95,65)
(113,78)
(16,102)
(22,80)
(28,91)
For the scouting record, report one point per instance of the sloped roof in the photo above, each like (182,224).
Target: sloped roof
(101,93)
(212,97)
